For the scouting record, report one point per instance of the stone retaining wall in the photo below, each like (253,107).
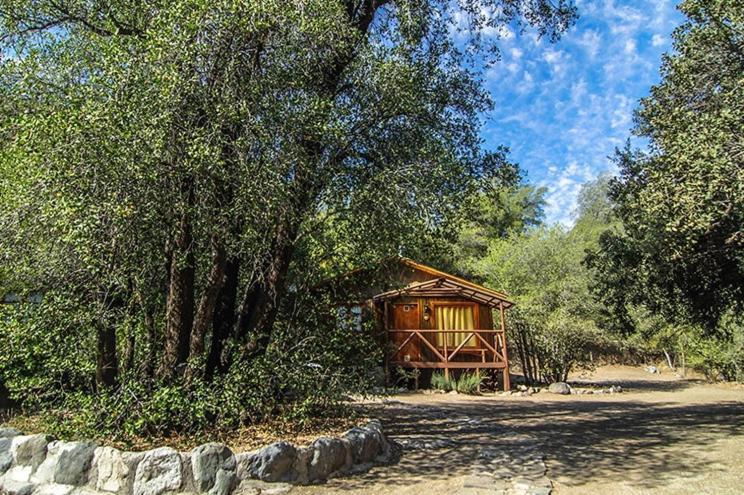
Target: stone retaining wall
(40,465)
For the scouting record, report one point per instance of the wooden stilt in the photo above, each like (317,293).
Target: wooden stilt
(507,382)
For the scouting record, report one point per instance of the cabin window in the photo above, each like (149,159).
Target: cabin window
(453,317)
(350,317)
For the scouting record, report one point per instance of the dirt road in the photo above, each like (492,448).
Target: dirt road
(662,435)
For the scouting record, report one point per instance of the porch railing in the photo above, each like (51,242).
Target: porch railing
(489,353)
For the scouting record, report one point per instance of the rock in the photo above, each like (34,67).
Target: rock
(66,463)
(616,389)
(53,489)
(18,473)
(452,392)
(329,455)
(256,487)
(113,470)
(652,369)
(6,458)
(10,432)
(29,450)
(273,463)
(159,471)
(12,487)
(561,388)
(214,468)
(365,444)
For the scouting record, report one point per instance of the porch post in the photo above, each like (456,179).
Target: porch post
(507,384)
(386,344)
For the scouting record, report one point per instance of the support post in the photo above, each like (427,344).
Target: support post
(387,342)
(507,384)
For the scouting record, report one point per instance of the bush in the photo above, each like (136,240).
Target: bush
(468,383)
(440,382)
(308,371)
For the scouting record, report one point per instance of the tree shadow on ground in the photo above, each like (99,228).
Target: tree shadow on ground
(644,443)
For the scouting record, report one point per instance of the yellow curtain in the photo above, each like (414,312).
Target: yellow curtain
(454,318)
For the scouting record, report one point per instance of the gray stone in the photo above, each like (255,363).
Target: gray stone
(365,444)
(29,450)
(67,463)
(13,487)
(19,473)
(10,432)
(213,468)
(113,470)
(6,458)
(273,463)
(243,460)
(257,487)
(158,472)
(53,489)
(329,455)
(561,388)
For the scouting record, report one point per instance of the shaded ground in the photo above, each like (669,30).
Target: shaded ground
(663,435)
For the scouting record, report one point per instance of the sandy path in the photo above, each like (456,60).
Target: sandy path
(663,435)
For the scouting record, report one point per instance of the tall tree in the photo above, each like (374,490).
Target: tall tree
(183,158)
(682,203)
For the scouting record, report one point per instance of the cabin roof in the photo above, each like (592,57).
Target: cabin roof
(446,284)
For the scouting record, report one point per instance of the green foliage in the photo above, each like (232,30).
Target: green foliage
(672,277)
(682,203)
(554,325)
(440,382)
(468,383)
(148,147)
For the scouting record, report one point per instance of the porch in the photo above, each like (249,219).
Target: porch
(445,324)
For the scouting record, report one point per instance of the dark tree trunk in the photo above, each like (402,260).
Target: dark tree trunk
(263,295)
(224,319)
(206,311)
(260,305)
(180,304)
(107,366)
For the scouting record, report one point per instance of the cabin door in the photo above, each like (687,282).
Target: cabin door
(406,316)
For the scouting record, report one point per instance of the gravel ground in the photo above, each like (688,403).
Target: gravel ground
(662,435)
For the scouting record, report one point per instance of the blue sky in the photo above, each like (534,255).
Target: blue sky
(563,108)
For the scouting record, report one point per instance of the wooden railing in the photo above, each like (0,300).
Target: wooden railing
(489,353)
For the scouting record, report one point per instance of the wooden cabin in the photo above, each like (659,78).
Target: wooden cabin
(434,320)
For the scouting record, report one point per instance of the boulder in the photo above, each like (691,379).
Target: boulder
(113,470)
(29,450)
(9,432)
(213,468)
(53,489)
(159,471)
(561,388)
(273,463)
(6,458)
(13,487)
(66,463)
(329,455)
(365,444)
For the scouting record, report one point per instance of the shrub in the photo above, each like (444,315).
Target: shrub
(440,382)
(468,383)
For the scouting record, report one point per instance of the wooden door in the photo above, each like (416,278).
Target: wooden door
(407,316)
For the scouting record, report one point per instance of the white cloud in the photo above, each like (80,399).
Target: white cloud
(590,42)
(630,46)
(657,40)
